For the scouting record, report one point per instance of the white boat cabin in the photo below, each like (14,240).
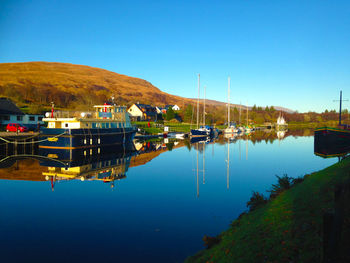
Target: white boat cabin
(104,116)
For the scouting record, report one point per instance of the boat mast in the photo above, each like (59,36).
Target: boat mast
(199,77)
(240,110)
(340,108)
(247,114)
(204,108)
(228,103)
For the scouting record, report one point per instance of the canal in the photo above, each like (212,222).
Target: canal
(150,206)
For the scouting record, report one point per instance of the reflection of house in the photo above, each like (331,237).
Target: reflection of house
(140,112)
(10,113)
(174,107)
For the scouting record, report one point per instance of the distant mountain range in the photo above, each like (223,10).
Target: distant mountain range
(78,86)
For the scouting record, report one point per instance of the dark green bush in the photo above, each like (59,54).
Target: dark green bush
(209,242)
(256,201)
(284,182)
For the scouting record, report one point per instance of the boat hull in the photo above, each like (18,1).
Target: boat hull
(331,141)
(199,133)
(85,138)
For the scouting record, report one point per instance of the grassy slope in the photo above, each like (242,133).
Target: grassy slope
(80,81)
(287,229)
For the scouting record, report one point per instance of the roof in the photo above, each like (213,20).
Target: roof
(148,109)
(8,107)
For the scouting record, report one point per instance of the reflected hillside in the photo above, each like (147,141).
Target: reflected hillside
(148,150)
(22,169)
(112,164)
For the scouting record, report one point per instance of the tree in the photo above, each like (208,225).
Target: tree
(284,183)
(188,113)
(256,201)
(170,114)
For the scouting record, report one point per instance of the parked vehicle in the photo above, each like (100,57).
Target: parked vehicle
(14,127)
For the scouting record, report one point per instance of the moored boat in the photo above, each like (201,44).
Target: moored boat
(329,140)
(108,125)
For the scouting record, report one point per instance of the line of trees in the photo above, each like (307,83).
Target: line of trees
(257,115)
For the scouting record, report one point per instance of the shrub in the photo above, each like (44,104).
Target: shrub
(284,183)
(209,242)
(297,180)
(256,201)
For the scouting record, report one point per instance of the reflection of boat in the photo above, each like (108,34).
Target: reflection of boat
(231,136)
(281,134)
(177,135)
(200,139)
(108,125)
(108,166)
(329,141)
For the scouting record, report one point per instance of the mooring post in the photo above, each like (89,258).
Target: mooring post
(15,147)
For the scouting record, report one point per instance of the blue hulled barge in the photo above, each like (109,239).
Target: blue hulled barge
(108,125)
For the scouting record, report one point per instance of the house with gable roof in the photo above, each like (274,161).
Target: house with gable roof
(10,113)
(142,112)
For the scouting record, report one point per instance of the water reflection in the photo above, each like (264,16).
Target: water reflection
(108,166)
(172,193)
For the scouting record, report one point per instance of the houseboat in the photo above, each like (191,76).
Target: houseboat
(108,125)
(333,140)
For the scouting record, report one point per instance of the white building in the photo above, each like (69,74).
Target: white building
(10,113)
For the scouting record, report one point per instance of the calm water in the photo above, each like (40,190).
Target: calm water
(158,213)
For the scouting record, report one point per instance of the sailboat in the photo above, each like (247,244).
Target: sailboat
(331,140)
(202,131)
(231,127)
(247,129)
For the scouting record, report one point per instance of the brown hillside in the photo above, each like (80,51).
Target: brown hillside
(76,86)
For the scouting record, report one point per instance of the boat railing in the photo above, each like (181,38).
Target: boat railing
(117,116)
(73,114)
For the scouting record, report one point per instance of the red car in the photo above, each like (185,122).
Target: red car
(14,127)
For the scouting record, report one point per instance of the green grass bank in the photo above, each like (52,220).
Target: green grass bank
(289,228)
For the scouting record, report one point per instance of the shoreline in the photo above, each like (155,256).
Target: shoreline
(289,228)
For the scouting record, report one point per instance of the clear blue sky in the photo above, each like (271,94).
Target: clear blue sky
(289,53)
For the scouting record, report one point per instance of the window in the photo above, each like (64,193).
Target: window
(40,118)
(6,118)
(66,125)
(20,118)
(31,118)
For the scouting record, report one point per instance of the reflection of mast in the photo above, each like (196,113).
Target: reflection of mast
(246,148)
(204,163)
(239,149)
(197,176)
(228,164)
(53,180)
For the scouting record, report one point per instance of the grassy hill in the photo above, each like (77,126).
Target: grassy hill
(290,227)
(76,86)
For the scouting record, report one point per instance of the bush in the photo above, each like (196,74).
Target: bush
(209,242)
(256,201)
(285,182)
(297,180)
